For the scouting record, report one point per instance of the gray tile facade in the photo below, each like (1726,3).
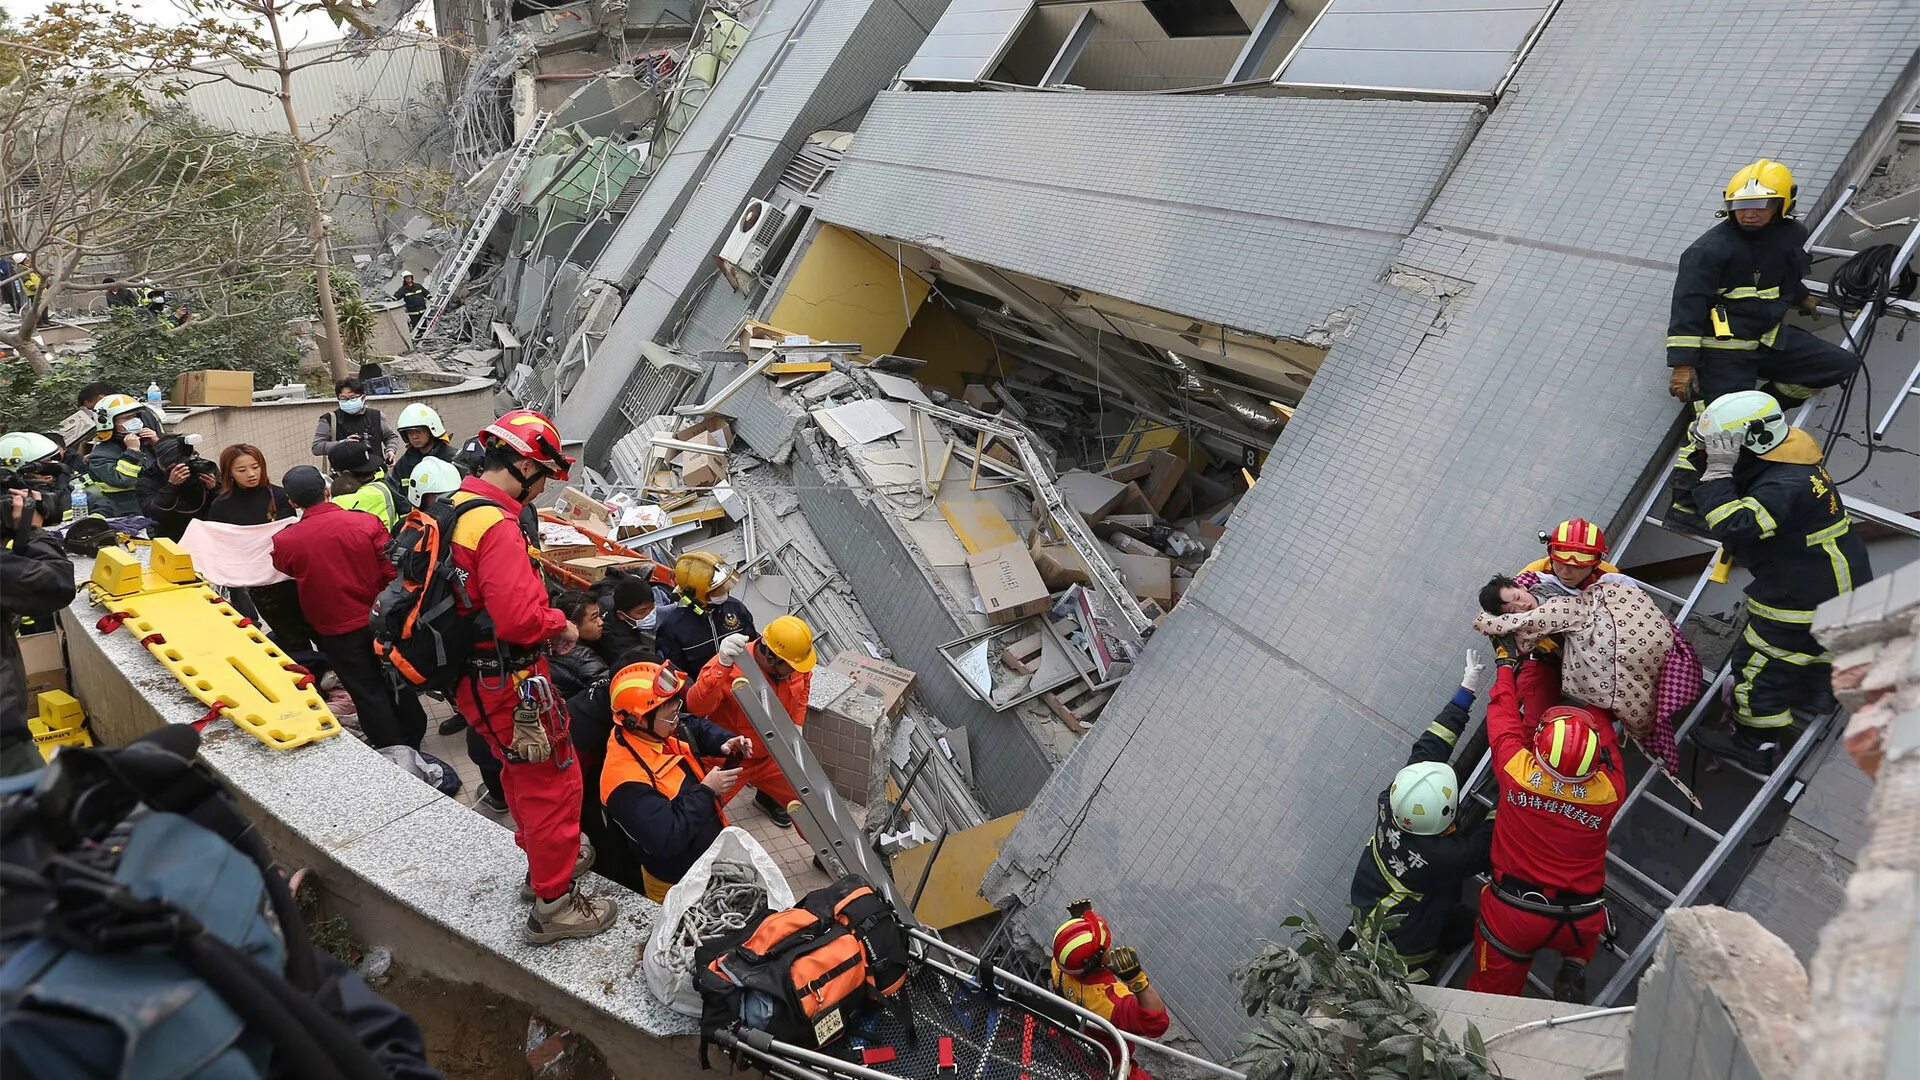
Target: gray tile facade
(1230,782)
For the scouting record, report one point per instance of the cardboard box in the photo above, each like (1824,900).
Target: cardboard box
(717,427)
(46,666)
(580,509)
(595,567)
(1059,565)
(1148,576)
(889,683)
(1009,584)
(1160,485)
(1092,496)
(702,470)
(213,387)
(980,398)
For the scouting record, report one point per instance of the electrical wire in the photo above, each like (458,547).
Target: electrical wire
(1864,283)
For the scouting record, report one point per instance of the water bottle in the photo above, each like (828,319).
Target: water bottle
(78,502)
(153,393)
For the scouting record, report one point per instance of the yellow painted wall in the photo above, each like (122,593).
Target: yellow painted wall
(956,354)
(846,289)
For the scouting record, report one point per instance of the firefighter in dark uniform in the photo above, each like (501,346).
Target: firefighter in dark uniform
(1418,857)
(1765,494)
(414,295)
(688,634)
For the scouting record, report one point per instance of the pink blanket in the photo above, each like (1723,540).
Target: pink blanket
(236,556)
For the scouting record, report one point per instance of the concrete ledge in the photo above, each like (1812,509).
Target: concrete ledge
(410,868)
(1722,999)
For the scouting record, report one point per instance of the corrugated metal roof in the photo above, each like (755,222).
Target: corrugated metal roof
(1232,779)
(1265,214)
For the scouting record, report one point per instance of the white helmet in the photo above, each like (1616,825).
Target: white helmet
(111,408)
(431,477)
(1753,413)
(19,448)
(420,414)
(1424,797)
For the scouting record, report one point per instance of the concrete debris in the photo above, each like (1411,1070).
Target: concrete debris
(1337,326)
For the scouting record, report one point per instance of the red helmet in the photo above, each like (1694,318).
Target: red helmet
(1577,542)
(641,688)
(532,436)
(1080,945)
(1567,745)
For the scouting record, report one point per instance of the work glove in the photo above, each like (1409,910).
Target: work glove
(1470,677)
(1506,651)
(1124,962)
(1682,383)
(732,648)
(1723,450)
(530,742)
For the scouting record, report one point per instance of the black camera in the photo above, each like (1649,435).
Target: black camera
(46,481)
(175,450)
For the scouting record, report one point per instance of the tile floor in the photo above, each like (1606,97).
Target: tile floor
(788,850)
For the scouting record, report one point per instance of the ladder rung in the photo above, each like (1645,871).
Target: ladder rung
(1683,817)
(1658,889)
(1682,533)
(1758,777)
(1663,594)
(1485,799)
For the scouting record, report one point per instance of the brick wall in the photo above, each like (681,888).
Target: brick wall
(284,430)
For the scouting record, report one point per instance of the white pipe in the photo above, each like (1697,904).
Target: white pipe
(1556,1021)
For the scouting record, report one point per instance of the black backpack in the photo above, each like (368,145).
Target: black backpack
(144,931)
(804,974)
(417,626)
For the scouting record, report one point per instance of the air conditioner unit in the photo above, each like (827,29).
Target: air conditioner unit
(757,231)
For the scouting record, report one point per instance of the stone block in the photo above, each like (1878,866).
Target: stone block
(1730,995)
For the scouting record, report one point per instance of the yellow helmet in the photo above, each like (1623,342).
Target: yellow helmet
(791,639)
(699,573)
(1759,182)
(111,408)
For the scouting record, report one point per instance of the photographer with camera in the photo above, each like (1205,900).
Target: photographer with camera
(35,577)
(126,431)
(176,486)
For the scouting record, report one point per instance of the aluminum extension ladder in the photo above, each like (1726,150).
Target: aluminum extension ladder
(475,238)
(1772,784)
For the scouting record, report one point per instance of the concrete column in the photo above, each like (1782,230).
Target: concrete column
(1721,1001)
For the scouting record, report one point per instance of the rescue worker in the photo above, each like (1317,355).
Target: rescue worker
(654,787)
(1090,971)
(359,483)
(125,430)
(428,480)
(508,697)
(687,634)
(1418,858)
(35,576)
(1561,783)
(1734,289)
(785,655)
(414,295)
(1575,558)
(422,436)
(1767,496)
(37,461)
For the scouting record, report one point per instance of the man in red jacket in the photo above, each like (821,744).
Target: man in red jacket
(337,560)
(785,654)
(508,698)
(1561,783)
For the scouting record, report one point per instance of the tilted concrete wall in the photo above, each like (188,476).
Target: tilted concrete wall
(411,869)
(1721,1001)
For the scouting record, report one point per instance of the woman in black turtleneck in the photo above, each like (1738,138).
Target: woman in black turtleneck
(247,498)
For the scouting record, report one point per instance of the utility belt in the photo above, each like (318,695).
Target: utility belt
(1554,903)
(503,662)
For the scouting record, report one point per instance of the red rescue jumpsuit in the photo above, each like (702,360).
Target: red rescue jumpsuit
(1549,837)
(1102,992)
(543,796)
(711,696)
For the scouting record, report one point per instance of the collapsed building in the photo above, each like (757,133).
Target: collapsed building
(1296,320)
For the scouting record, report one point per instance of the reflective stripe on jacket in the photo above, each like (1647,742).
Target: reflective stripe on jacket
(1756,277)
(1781,518)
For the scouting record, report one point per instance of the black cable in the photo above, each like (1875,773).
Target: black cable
(1863,283)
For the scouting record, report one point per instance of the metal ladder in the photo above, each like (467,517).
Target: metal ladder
(475,238)
(1771,784)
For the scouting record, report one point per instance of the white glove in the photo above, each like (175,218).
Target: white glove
(732,648)
(1470,678)
(1723,450)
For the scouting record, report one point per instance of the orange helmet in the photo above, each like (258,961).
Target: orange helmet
(1567,745)
(532,436)
(1577,542)
(641,688)
(1080,945)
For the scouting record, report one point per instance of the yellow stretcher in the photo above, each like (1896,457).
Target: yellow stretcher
(215,652)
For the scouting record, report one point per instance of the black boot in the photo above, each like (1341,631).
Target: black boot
(1756,748)
(774,810)
(1571,983)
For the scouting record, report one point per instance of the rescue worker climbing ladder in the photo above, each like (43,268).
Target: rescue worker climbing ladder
(1768,497)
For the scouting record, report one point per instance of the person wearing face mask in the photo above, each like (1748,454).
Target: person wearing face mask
(628,636)
(354,420)
(688,634)
(508,696)
(785,655)
(126,431)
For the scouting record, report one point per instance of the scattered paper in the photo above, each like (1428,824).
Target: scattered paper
(975,668)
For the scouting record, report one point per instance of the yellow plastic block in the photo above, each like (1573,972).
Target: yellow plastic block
(171,564)
(799,367)
(58,710)
(116,571)
(231,667)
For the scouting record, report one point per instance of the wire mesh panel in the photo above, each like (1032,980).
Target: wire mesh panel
(992,1037)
